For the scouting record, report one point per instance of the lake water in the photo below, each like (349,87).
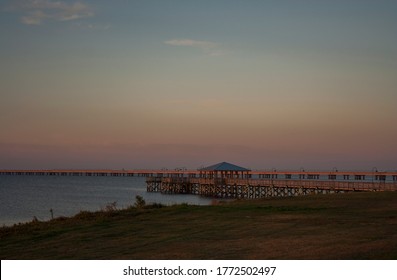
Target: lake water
(24,197)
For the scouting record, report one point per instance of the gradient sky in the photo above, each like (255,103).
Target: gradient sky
(152,84)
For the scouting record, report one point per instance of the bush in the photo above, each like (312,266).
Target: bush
(139,202)
(110,207)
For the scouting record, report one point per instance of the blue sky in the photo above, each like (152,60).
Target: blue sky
(128,84)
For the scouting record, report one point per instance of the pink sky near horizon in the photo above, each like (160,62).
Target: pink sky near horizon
(132,85)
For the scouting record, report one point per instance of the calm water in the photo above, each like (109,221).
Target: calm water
(23,197)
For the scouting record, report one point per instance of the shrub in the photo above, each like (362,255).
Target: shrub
(110,207)
(139,202)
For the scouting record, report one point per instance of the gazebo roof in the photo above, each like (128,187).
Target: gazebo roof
(224,166)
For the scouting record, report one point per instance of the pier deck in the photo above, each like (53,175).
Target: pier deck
(259,188)
(264,174)
(252,184)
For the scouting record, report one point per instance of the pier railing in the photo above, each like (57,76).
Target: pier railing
(373,176)
(334,180)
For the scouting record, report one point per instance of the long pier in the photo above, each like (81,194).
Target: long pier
(86,172)
(387,176)
(252,184)
(247,184)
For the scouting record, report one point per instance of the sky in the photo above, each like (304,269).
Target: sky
(178,83)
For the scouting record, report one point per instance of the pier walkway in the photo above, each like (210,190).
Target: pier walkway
(225,180)
(229,181)
(259,188)
(382,176)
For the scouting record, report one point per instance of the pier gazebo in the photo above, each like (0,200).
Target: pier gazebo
(224,170)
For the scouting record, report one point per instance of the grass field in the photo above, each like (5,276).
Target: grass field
(337,226)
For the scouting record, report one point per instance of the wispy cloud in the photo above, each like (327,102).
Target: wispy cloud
(35,12)
(191,43)
(91,26)
(210,48)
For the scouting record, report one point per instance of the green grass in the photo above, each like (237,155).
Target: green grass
(338,226)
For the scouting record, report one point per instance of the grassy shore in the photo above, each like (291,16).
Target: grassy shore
(338,226)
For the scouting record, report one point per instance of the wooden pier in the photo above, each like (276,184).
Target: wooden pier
(96,172)
(225,180)
(259,188)
(229,181)
(162,173)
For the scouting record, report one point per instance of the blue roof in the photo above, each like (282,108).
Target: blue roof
(224,166)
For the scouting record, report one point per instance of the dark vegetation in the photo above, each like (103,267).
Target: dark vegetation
(337,226)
